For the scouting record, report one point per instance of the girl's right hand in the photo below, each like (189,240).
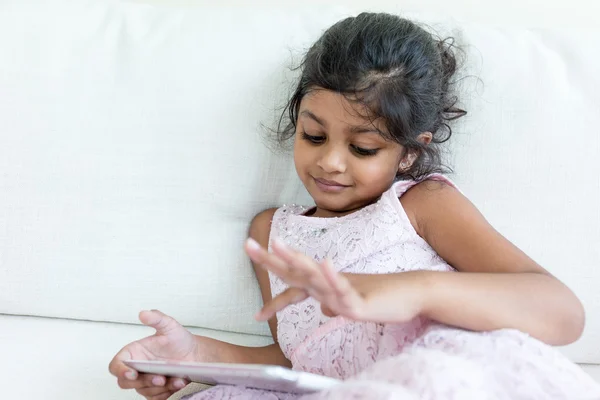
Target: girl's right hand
(170,342)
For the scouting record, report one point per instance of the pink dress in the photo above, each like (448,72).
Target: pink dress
(420,359)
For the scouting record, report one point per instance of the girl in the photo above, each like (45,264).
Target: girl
(361,286)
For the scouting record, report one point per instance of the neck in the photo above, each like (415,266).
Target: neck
(326,213)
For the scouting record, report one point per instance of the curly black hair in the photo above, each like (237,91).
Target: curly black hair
(397,69)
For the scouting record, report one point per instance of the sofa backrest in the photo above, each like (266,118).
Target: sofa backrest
(133,157)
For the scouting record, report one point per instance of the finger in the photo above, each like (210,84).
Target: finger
(159,321)
(149,391)
(266,260)
(289,296)
(119,369)
(163,396)
(338,282)
(156,380)
(151,380)
(347,298)
(129,384)
(328,312)
(176,384)
(305,271)
(143,381)
(155,391)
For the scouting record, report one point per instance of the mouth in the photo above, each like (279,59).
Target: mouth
(329,186)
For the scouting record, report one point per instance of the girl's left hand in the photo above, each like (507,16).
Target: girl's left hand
(376,298)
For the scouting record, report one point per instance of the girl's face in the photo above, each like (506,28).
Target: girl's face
(343,161)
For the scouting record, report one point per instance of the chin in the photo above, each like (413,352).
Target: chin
(326,202)
(333,205)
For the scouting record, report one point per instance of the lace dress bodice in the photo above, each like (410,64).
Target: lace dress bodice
(376,239)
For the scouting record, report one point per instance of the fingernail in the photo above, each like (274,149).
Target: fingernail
(278,242)
(253,244)
(130,375)
(179,384)
(158,381)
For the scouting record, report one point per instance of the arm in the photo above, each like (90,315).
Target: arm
(230,353)
(260,229)
(500,286)
(173,342)
(219,351)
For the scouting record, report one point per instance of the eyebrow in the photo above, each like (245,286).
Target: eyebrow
(314,117)
(363,129)
(352,129)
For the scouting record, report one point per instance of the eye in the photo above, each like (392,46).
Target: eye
(313,139)
(364,152)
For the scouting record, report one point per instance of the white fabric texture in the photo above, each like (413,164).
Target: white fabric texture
(48,358)
(131,158)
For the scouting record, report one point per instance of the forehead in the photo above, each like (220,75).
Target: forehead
(333,108)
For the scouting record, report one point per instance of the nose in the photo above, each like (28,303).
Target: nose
(332,160)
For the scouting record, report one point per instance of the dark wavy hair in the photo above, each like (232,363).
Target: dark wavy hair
(398,70)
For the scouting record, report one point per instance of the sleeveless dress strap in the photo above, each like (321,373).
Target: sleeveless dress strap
(402,187)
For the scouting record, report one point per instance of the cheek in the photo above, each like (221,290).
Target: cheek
(377,171)
(300,156)
(296,149)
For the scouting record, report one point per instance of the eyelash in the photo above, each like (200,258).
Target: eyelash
(358,150)
(313,139)
(364,152)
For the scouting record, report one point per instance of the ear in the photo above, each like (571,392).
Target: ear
(410,156)
(425,138)
(407,161)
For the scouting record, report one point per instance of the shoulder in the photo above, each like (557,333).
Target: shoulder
(260,227)
(432,199)
(459,233)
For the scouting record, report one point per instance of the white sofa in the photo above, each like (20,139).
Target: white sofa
(132,160)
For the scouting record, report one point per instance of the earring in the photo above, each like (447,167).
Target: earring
(403,165)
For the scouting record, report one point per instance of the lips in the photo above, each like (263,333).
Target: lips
(329,186)
(329,183)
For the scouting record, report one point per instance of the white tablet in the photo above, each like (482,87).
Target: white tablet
(267,377)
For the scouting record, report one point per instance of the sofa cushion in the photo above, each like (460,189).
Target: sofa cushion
(132,159)
(132,156)
(47,358)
